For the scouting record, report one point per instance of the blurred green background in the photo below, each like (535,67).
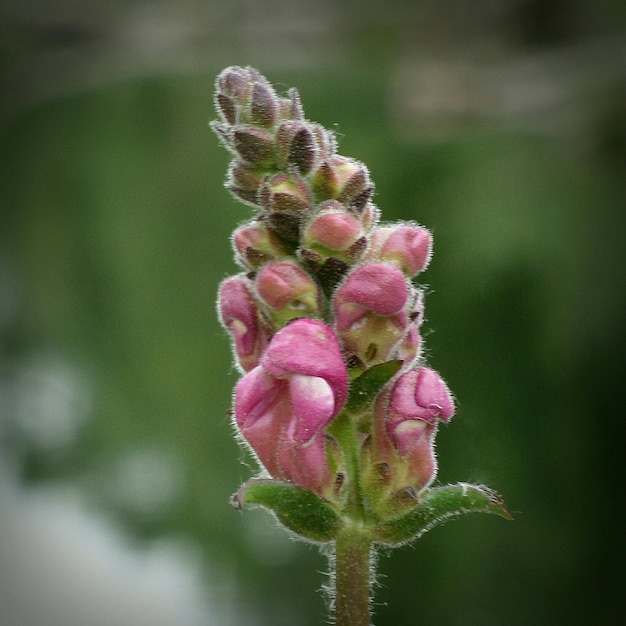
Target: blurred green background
(499,125)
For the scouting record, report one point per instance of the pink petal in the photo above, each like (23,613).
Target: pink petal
(255,395)
(313,404)
(308,347)
(411,245)
(306,465)
(378,287)
(422,394)
(238,314)
(406,434)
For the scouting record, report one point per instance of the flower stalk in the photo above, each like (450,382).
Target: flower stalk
(353,562)
(335,401)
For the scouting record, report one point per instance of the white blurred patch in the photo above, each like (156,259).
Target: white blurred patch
(64,565)
(46,399)
(145,481)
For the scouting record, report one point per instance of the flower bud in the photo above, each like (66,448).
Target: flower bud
(290,108)
(238,314)
(295,146)
(324,140)
(371,311)
(408,247)
(243,95)
(264,105)
(343,179)
(236,83)
(333,232)
(287,291)
(233,88)
(254,145)
(286,193)
(419,398)
(244,182)
(255,244)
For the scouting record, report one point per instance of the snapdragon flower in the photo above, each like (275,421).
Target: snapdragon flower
(335,400)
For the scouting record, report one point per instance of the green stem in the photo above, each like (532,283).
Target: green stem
(352,576)
(343,429)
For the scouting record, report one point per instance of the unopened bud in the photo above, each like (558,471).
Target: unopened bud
(238,314)
(290,108)
(407,246)
(332,231)
(296,146)
(324,140)
(419,398)
(243,95)
(264,105)
(244,182)
(371,311)
(255,244)
(235,82)
(342,179)
(287,291)
(254,145)
(286,193)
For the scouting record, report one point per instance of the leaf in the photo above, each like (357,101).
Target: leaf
(300,510)
(437,506)
(365,388)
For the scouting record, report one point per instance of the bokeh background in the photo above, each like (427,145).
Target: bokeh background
(499,124)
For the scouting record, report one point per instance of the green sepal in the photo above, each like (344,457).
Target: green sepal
(438,505)
(298,509)
(365,388)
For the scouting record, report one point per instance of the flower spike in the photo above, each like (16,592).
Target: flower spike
(335,401)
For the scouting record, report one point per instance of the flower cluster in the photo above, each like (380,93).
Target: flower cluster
(324,303)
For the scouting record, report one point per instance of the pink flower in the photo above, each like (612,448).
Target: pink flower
(371,311)
(284,404)
(238,314)
(405,424)
(407,246)
(419,399)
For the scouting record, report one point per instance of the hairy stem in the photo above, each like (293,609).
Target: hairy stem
(352,564)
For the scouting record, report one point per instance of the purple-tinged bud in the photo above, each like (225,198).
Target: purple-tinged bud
(296,146)
(238,314)
(419,398)
(286,193)
(264,105)
(254,145)
(407,246)
(232,89)
(255,245)
(287,291)
(283,406)
(236,83)
(227,108)
(243,95)
(344,179)
(371,311)
(324,140)
(290,108)
(244,182)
